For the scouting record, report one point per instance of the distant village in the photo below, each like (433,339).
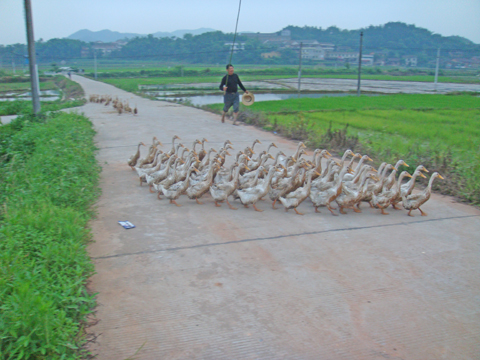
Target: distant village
(315,51)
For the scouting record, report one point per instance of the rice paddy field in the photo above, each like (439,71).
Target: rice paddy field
(439,131)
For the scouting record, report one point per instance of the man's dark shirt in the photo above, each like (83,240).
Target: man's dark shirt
(233,80)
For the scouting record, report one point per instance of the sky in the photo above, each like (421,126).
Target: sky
(61,18)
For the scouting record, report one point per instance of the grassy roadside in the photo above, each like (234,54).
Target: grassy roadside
(438,131)
(48,183)
(72,96)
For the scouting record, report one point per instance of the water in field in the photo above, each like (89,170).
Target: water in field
(45,95)
(200,100)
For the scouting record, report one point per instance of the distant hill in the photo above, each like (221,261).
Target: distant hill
(110,36)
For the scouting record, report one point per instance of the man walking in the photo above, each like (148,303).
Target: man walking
(229,87)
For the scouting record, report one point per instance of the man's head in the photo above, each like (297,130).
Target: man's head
(229,68)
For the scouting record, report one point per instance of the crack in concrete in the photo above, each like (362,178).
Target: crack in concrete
(281,237)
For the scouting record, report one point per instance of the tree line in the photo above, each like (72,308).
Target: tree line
(393,39)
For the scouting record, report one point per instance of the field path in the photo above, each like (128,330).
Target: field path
(200,282)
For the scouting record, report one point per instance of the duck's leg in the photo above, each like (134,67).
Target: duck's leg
(230,206)
(273,205)
(140,181)
(158,196)
(371,205)
(342,211)
(174,202)
(423,213)
(356,209)
(394,205)
(256,209)
(299,213)
(383,211)
(316,210)
(217,204)
(198,202)
(150,189)
(132,167)
(331,210)
(409,213)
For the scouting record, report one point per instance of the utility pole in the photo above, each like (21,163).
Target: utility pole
(95,62)
(436,68)
(360,64)
(300,69)
(31,58)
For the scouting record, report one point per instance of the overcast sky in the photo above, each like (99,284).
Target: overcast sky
(61,18)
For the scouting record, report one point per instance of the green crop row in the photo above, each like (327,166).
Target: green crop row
(48,183)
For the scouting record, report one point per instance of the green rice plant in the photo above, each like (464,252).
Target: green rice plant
(48,182)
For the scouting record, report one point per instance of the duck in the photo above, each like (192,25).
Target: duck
(206,160)
(323,181)
(260,161)
(251,196)
(250,179)
(337,169)
(414,201)
(275,162)
(169,180)
(155,166)
(293,199)
(327,195)
(317,160)
(197,190)
(390,180)
(270,146)
(202,152)
(225,175)
(358,168)
(350,197)
(174,150)
(149,159)
(134,158)
(285,185)
(174,191)
(385,198)
(407,188)
(249,150)
(376,188)
(160,175)
(221,191)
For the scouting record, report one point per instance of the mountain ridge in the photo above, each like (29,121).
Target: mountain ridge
(107,35)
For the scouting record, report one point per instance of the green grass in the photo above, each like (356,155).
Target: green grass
(48,183)
(399,102)
(439,131)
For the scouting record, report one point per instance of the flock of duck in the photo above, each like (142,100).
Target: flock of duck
(289,179)
(118,105)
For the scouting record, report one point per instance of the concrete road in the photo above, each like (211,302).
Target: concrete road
(200,282)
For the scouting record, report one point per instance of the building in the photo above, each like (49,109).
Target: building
(410,60)
(236,47)
(107,48)
(313,53)
(349,56)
